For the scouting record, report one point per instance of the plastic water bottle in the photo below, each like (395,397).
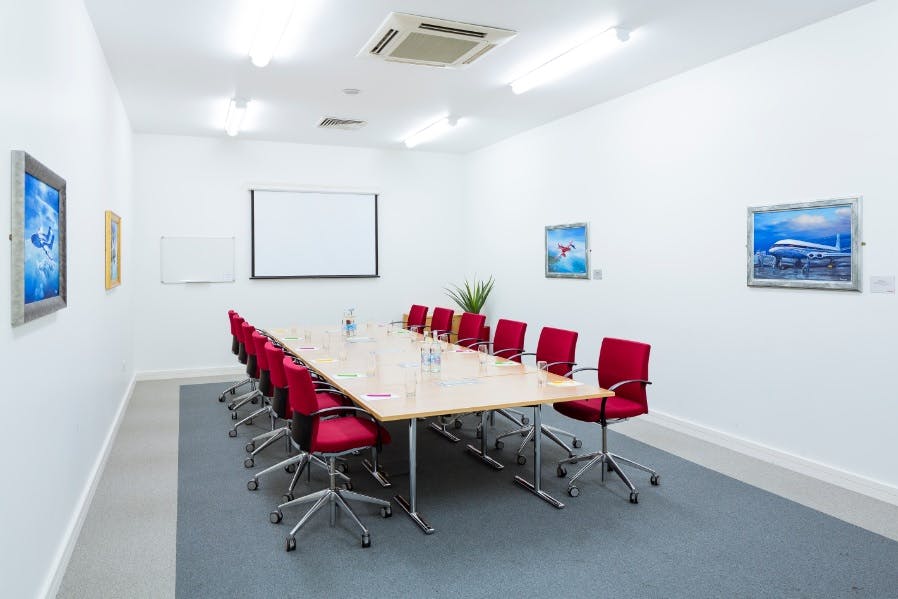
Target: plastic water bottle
(435,359)
(425,358)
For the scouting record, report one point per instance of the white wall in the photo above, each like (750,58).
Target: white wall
(664,176)
(199,186)
(65,374)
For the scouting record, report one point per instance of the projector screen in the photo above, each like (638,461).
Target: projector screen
(313,234)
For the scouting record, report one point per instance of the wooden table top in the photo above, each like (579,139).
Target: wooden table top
(462,386)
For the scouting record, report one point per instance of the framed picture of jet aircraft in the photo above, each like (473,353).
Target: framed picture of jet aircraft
(812,245)
(38,239)
(113,249)
(567,251)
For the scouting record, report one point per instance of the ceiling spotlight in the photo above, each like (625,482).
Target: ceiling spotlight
(431,131)
(572,60)
(351,91)
(273,21)
(236,112)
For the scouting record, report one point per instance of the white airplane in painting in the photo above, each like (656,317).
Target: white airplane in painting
(801,253)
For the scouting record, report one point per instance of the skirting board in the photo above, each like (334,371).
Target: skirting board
(841,478)
(191,373)
(70,537)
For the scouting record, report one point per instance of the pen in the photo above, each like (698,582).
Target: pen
(347,374)
(380,394)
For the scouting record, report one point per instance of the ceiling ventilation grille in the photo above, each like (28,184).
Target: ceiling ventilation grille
(432,42)
(330,122)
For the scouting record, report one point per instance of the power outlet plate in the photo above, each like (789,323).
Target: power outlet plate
(597,274)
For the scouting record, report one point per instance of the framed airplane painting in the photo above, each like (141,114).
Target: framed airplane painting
(567,251)
(38,239)
(113,250)
(812,245)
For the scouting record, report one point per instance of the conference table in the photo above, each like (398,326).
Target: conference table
(372,368)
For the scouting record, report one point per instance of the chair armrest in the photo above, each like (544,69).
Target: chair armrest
(341,409)
(519,350)
(523,353)
(479,342)
(556,363)
(620,383)
(581,370)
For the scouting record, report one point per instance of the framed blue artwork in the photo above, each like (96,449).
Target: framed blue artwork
(38,239)
(567,251)
(812,245)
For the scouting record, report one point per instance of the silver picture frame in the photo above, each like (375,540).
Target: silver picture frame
(566,251)
(803,245)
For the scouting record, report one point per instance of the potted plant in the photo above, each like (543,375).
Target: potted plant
(472,296)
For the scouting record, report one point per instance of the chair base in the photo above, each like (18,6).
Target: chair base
(549,431)
(334,497)
(298,463)
(608,461)
(233,388)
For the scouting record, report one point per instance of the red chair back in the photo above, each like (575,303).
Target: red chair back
(509,338)
(441,319)
(303,401)
(469,327)
(417,317)
(247,338)
(621,360)
(280,398)
(259,341)
(235,342)
(232,316)
(557,345)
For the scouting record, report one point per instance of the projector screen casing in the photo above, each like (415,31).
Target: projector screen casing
(313,234)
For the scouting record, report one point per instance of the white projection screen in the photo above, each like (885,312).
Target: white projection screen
(297,234)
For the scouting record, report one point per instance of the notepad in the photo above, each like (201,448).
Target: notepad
(351,375)
(324,360)
(506,363)
(565,383)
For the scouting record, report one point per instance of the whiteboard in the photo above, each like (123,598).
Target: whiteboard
(313,234)
(197,259)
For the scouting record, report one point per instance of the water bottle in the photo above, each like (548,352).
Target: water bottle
(425,358)
(435,359)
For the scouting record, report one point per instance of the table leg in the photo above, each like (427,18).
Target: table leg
(481,453)
(534,487)
(410,506)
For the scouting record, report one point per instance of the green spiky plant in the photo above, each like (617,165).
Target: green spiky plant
(472,295)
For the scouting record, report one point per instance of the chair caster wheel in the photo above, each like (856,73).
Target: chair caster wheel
(231,406)
(525,421)
(250,447)
(232,433)
(347,486)
(655,478)
(366,541)
(252,484)
(233,415)
(249,463)
(479,434)
(522,460)
(249,422)
(578,443)
(275,517)
(343,467)
(634,497)
(573,491)
(561,471)
(386,512)
(254,400)
(499,444)
(290,468)
(457,424)
(221,398)
(290,545)
(287,497)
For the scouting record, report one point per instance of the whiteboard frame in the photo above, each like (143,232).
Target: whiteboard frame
(233,278)
(252,231)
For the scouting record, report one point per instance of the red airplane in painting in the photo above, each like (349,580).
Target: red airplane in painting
(564,249)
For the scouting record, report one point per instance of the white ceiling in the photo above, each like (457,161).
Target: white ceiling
(177,62)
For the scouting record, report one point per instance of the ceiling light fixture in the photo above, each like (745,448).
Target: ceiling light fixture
(572,60)
(431,131)
(272,23)
(236,112)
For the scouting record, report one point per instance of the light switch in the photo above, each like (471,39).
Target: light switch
(882,284)
(597,274)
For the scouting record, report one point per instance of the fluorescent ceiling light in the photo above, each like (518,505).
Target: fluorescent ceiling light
(430,132)
(273,21)
(572,60)
(236,112)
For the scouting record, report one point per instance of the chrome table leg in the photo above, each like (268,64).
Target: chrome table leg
(481,453)
(534,487)
(410,505)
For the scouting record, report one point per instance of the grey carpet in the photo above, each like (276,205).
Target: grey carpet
(699,534)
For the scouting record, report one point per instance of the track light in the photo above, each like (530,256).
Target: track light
(572,60)
(430,132)
(236,112)
(272,23)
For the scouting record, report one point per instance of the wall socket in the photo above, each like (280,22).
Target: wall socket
(597,274)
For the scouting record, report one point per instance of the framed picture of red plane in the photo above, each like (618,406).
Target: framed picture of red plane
(567,251)
(812,245)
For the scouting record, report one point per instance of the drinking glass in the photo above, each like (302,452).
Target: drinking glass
(411,381)
(484,354)
(307,336)
(371,367)
(444,342)
(543,374)
(294,332)
(326,342)
(343,352)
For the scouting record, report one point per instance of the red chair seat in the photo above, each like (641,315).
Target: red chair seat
(588,410)
(340,434)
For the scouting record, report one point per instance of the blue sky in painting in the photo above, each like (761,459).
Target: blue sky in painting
(41,240)
(816,225)
(575,260)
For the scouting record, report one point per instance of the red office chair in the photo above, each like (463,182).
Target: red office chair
(246,355)
(313,432)
(236,334)
(470,327)
(557,347)
(417,318)
(441,321)
(253,341)
(266,386)
(624,369)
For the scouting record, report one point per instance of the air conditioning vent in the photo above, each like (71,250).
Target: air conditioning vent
(330,122)
(432,42)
